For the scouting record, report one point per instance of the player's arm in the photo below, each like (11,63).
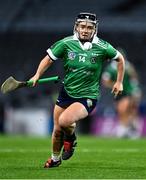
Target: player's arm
(118,86)
(43,66)
(54,52)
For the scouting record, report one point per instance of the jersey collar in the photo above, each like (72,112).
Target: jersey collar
(95,38)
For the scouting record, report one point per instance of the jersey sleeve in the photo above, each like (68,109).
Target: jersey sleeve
(111,52)
(56,50)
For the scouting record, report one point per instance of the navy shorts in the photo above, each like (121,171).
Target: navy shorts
(122,95)
(64,100)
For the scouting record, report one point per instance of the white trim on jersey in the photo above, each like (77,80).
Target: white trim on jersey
(117,55)
(51,54)
(75,37)
(95,39)
(81,45)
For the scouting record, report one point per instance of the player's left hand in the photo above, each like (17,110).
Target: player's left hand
(117,89)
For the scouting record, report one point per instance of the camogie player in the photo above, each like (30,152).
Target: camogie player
(83,55)
(127,104)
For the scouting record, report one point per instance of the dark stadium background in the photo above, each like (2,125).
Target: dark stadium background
(29,27)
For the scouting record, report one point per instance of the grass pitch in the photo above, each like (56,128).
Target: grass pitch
(94,158)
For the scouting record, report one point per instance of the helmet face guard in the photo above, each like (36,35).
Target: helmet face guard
(88,17)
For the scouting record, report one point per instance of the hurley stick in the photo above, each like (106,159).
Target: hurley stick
(12,84)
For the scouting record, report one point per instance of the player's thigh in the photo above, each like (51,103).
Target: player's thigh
(123,105)
(72,114)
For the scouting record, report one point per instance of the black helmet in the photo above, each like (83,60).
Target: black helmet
(84,16)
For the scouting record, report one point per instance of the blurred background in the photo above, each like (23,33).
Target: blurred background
(29,27)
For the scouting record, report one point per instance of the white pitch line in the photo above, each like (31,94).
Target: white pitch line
(84,150)
(113,150)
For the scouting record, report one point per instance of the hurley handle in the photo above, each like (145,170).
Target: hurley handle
(44,80)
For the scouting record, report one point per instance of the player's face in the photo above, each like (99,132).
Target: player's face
(85,30)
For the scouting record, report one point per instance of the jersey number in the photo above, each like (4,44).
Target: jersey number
(82,59)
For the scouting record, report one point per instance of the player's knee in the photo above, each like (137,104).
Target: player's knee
(64,121)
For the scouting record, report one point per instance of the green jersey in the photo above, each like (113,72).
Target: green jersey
(82,67)
(130,85)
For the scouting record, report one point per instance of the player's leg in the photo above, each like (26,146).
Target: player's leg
(124,115)
(67,121)
(57,140)
(134,120)
(123,110)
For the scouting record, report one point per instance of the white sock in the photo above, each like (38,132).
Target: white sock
(55,156)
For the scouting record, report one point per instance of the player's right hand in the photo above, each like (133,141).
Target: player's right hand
(117,89)
(35,78)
